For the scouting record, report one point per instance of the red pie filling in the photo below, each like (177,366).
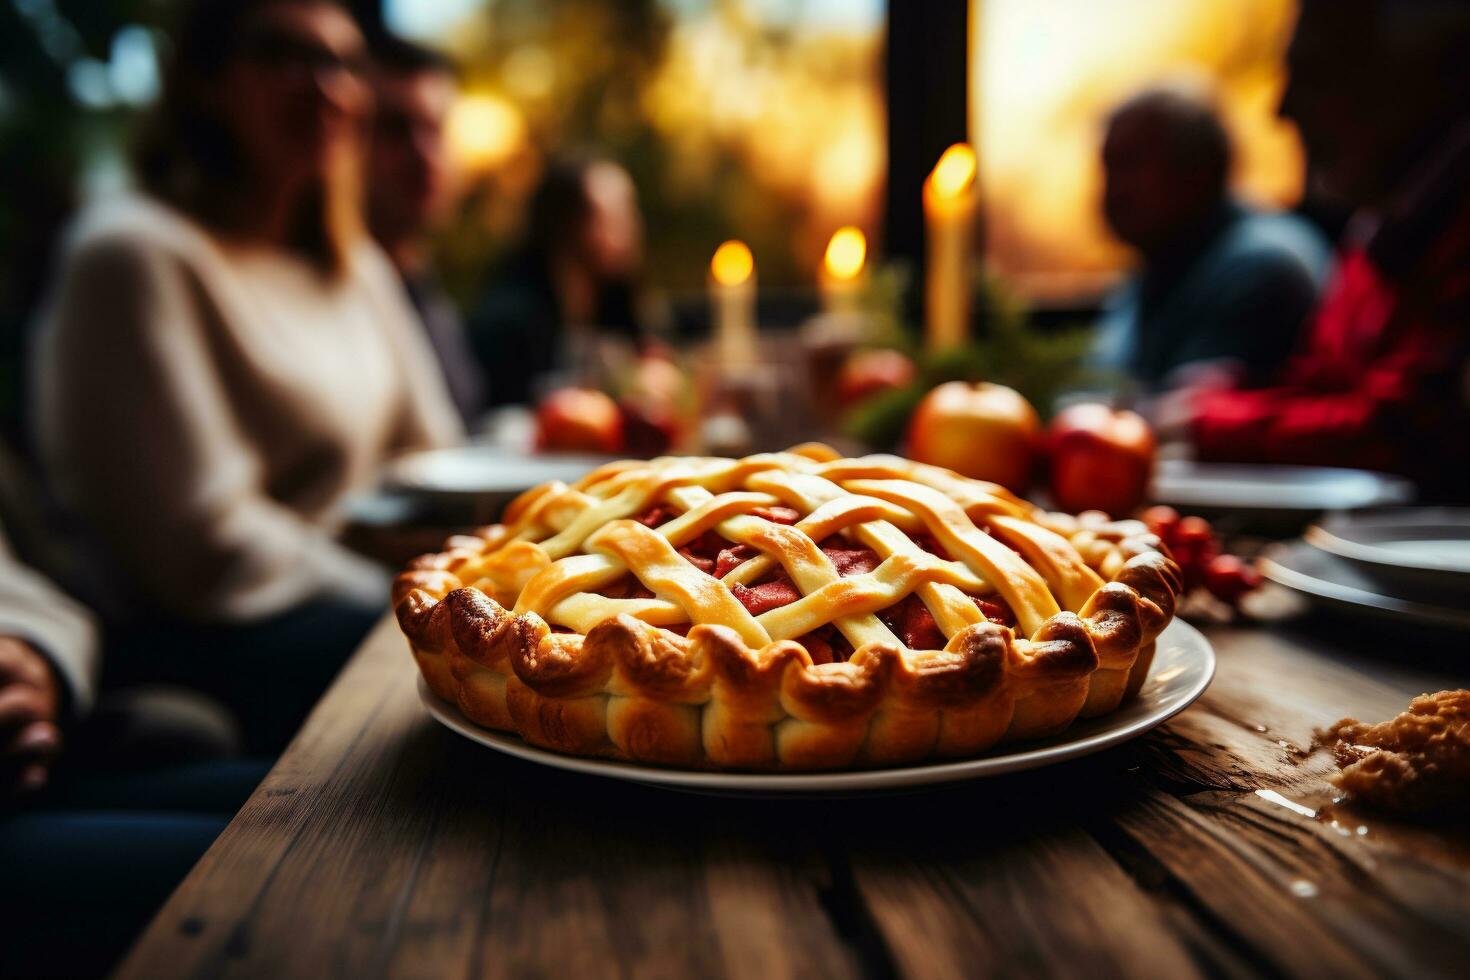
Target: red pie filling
(910,620)
(656,515)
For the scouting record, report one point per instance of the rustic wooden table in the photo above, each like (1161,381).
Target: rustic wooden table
(384,845)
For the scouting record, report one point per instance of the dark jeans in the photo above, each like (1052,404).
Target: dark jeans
(269,674)
(85,867)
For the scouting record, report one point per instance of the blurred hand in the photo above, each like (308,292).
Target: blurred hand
(30,700)
(1172,413)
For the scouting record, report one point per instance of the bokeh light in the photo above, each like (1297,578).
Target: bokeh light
(484,130)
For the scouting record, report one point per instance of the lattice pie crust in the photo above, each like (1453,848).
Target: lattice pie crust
(785,611)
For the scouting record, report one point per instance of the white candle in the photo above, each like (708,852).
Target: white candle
(732,304)
(949,218)
(843,268)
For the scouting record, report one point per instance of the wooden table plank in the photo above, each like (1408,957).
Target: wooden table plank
(384,845)
(1030,910)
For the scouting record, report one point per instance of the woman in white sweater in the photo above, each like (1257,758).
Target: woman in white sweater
(226,357)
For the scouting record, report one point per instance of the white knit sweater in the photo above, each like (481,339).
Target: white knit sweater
(204,409)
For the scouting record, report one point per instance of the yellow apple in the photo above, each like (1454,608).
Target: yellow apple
(981,430)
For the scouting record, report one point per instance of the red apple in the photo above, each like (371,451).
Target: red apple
(984,431)
(579,420)
(867,372)
(1101,459)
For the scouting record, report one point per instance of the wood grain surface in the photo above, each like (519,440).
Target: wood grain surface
(383,845)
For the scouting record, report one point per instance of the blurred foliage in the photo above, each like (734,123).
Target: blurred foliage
(582,75)
(1005,350)
(48,142)
(883,300)
(600,55)
(596,76)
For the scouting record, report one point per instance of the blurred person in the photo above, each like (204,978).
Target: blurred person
(87,855)
(227,356)
(409,189)
(1220,285)
(1378,91)
(573,283)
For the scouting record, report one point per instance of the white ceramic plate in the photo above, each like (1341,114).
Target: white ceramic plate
(1276,490)
(1328,579)
(1412,546)
(483,472)
(1183,666)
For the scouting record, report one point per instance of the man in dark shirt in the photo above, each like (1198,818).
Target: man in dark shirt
(410,188)
(1219,283)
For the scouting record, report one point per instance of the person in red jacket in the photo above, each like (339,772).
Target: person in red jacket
(1378,89)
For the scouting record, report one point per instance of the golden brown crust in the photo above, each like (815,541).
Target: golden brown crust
(649,661)
(738,691)
(840,693)
(1061,651)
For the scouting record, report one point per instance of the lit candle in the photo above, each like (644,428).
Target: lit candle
(949,218)
(732,303)
(842,270)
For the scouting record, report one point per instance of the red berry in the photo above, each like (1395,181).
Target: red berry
(1194,529)
(1228,578)
(1194,558)
(1163,521)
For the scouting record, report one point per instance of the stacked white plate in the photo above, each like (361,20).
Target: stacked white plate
(1272,493)
(1411,565)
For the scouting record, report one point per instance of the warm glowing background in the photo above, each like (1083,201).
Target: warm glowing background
(1043,77)
(761,120)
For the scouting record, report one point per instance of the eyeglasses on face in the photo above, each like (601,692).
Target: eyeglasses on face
(297,56)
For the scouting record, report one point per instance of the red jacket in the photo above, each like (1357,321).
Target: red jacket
(1383,380)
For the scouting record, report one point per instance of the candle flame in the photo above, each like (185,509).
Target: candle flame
(732,264)
(846,253)
(954,174)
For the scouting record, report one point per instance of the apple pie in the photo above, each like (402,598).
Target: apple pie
(785,611)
